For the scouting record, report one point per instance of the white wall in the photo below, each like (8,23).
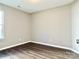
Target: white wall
(53,26)
(75,25)
(17,27)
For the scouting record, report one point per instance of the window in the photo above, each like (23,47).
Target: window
(1,25)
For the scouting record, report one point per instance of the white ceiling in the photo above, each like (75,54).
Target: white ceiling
(34,5)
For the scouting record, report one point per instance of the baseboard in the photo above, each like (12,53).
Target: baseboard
(77,52)
(51,45)
(40,43)
(57,46)
(8,47)
(33,42)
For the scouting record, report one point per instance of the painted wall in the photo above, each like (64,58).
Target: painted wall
(75,25)
(17,27)
(53,26)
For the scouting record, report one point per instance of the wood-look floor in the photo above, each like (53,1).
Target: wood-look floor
(36,51)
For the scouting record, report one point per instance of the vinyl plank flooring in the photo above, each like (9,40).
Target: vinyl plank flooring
(36,51)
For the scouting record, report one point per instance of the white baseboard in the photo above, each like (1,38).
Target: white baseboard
(13,45)
(39,43)
(52,45)
(77,52)
(57,46)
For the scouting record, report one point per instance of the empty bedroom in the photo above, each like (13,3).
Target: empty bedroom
(39,29)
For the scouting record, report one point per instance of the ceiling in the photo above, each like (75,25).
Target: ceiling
(31,6)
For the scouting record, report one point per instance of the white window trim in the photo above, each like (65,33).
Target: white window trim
(3,26)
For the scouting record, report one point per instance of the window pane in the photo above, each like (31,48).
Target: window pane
(1,17)
(1,32)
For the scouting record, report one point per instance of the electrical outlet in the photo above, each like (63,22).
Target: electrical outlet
(77,41)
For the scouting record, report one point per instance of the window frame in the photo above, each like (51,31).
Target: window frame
(3,17)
